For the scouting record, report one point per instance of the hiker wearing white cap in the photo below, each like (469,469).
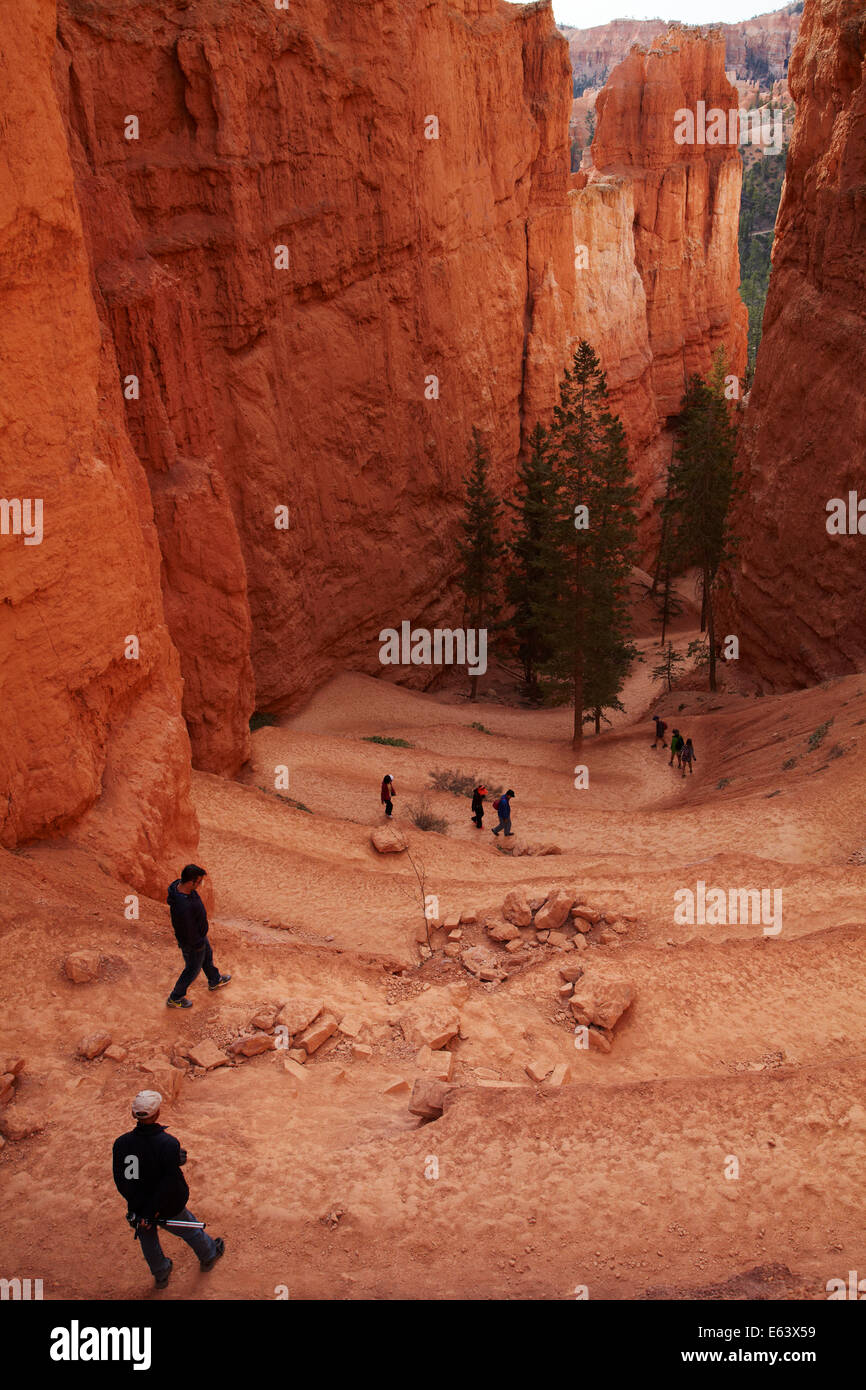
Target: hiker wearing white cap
(388,793)
(146,1163)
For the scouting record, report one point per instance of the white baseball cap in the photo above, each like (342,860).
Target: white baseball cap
(146,1104)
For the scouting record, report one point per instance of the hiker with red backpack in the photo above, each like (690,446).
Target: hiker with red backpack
(502,806)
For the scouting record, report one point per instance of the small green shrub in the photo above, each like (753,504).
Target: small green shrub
(480,727)
(388,742)
(458,783)
(788,764)
(722,783)
(816,738)
(837,751)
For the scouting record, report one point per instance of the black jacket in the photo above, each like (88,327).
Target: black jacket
(160,1187)
(188,917)
(477,803)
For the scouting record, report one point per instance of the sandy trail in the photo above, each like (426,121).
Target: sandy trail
(737,1044)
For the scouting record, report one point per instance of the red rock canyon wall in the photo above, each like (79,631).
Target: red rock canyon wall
(798,591)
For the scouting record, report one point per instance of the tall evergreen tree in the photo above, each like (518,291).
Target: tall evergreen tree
(531,585)
(480,548)
(596,529)
(703,481)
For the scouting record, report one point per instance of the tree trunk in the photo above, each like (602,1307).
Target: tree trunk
(473,689)
(704,604)
(577,734)
(597,720)
(711,630)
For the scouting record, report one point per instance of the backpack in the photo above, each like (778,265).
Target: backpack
(498,802)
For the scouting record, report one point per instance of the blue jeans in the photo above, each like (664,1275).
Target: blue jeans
(152,1251)
(193,962)
(504,824)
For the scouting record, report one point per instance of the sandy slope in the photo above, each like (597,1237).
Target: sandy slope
(736,1044)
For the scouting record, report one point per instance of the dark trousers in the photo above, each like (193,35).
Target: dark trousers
(193,962)
(478,817)
(504,824)
(389,807)
(153,1252)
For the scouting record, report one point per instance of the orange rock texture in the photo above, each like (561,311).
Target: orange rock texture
(93,742)
(268,269)
(754,47)
(415,175)
(798,591)
(659,220)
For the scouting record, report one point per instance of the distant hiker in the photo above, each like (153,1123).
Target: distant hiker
(688,757)
(146,1164)
(189,919)
(502,805)
(676,747)
(478,806)
(661,727)
(388,794)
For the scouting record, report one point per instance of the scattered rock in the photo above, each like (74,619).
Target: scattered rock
(585,914)
(387,839)
(579,943)
(297,1054)
(501,931)
(452,950)
(14,1065)
(428,1097)
(318,1032)
(430,1024)
(439,1064)
(82,966)
(7,1087)
(482,963)
(117,1054)
(207,1055)
(491,1085)
(93,1045)
(265,1019)
(362,1052)
(551,916)
(565,991)
(451,922)
(352,1025)
(455,935)
(559,1075)
(298,1014)
(538,1070)
(395,1086)
(601,1001)
(17,1123)
(599,1038)
(468,917)
(516,908)
(607,937)
(252,1044)
(557,938)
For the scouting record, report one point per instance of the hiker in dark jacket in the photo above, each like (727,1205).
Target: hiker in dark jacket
(478,806)
(688,757)
(502,806)
(676,747)
(189,919)
(146,1164)
(388,793)
(661,726)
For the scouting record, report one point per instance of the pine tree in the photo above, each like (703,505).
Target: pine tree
(668,668)
(530,584)
(703,482)
(595,531)
(480,549)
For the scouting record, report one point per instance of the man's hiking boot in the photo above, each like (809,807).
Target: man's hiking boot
(161,1280)
(223,980)
(220,1250)
(178,1003)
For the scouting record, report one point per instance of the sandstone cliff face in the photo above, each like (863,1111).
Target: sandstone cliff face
(759,47)
(798,592)
(309,387)
(661,284)
(92,743)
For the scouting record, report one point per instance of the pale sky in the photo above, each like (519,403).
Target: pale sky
(583,14)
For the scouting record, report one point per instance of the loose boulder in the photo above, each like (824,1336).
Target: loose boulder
(82,966)
(516,908)
(93,1045)
(428,1097)
(298,1014)
(553,914)
(387,839)
(318,1032)
(601,1001)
